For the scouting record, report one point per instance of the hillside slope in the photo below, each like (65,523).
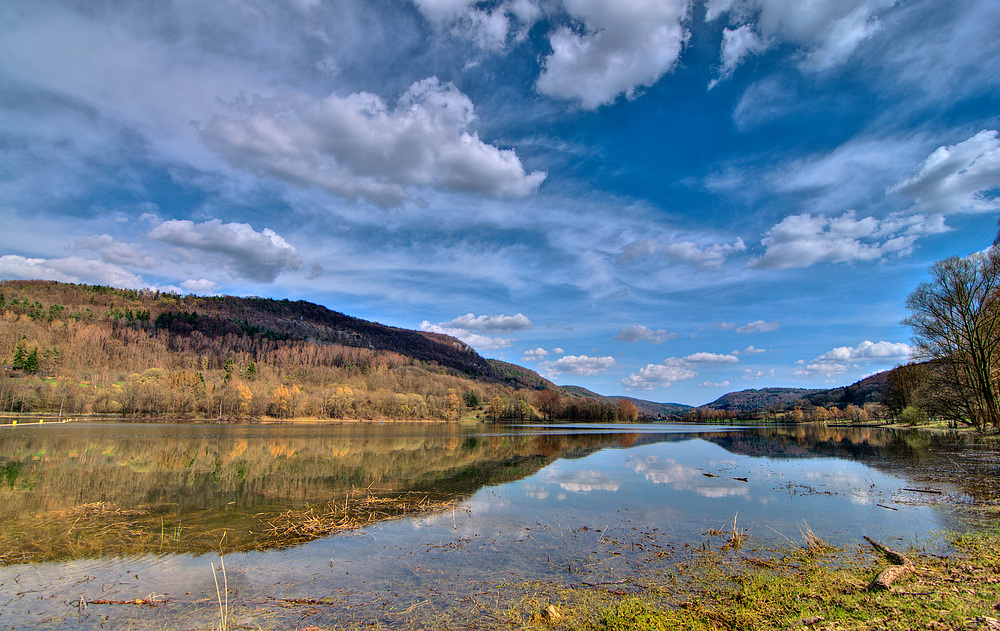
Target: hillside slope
(82,348)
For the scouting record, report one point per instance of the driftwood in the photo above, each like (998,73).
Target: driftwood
(901,566)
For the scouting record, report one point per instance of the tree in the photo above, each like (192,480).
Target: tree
(548,403)
(956,323)
(627,411)
(906,387)
(496,409)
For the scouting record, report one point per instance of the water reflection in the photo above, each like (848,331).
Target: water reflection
(560,504)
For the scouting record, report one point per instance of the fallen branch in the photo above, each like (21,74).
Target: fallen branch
(902,566)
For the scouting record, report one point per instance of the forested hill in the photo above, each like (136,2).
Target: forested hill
(83,348)
(871,389)
(231,324)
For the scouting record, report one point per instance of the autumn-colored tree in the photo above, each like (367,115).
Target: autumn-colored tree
(454,404)
(549,403)
(627,412)
(496,409)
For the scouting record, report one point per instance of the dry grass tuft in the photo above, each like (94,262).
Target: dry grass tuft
(812,541)
(295,526)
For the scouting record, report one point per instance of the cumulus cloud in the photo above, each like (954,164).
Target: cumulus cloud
(750,374)
(803,240)
(478,341)
(828,31)
(662,375)
(961,178)
(258,256)
(714,384)
(490,28)
(116,252)
(752,350)
(358,147)
(619,48)
(711,358)
(69,270)
(490,324)
(758,326)
(841,359)
(578,365)
(535,355)
(638,333)
(736,45)
(705,257)
(202,286)
(477,331)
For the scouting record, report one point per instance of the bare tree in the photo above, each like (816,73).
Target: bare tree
(549,403)
(956,323)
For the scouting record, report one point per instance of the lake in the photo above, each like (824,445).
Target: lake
(414,524)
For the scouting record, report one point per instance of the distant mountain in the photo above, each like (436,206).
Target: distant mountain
(748,400)
(651,409)
(871,389)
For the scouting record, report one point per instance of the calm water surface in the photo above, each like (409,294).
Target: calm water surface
(122,511)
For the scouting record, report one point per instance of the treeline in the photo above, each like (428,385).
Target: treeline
(797,412)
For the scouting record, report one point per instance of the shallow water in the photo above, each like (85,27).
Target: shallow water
(561,504)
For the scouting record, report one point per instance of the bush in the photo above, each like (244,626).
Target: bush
(912,415)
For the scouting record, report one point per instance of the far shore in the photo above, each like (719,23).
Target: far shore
(11,420)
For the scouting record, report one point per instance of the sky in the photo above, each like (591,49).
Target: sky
(664,199)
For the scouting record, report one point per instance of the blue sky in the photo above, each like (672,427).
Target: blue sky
(669,199)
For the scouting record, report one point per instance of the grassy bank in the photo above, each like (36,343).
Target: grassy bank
(800,586)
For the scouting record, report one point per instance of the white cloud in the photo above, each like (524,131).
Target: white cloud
(829,31)
(711,358)
(736,45)
(959,178)
(490,28)
(661,375)
(490,324)
(714,384)
(475,340)
(69,270)
(201,286)
(117,252)
(803,240)
(752,350)
(705,257)
(621,47)
(258,256)
(839,360)
(558,351)
(477,331)
(869,350)
(758,326)
(641,333)
(356,147)
(535,355)
(751,375)
(578,365)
